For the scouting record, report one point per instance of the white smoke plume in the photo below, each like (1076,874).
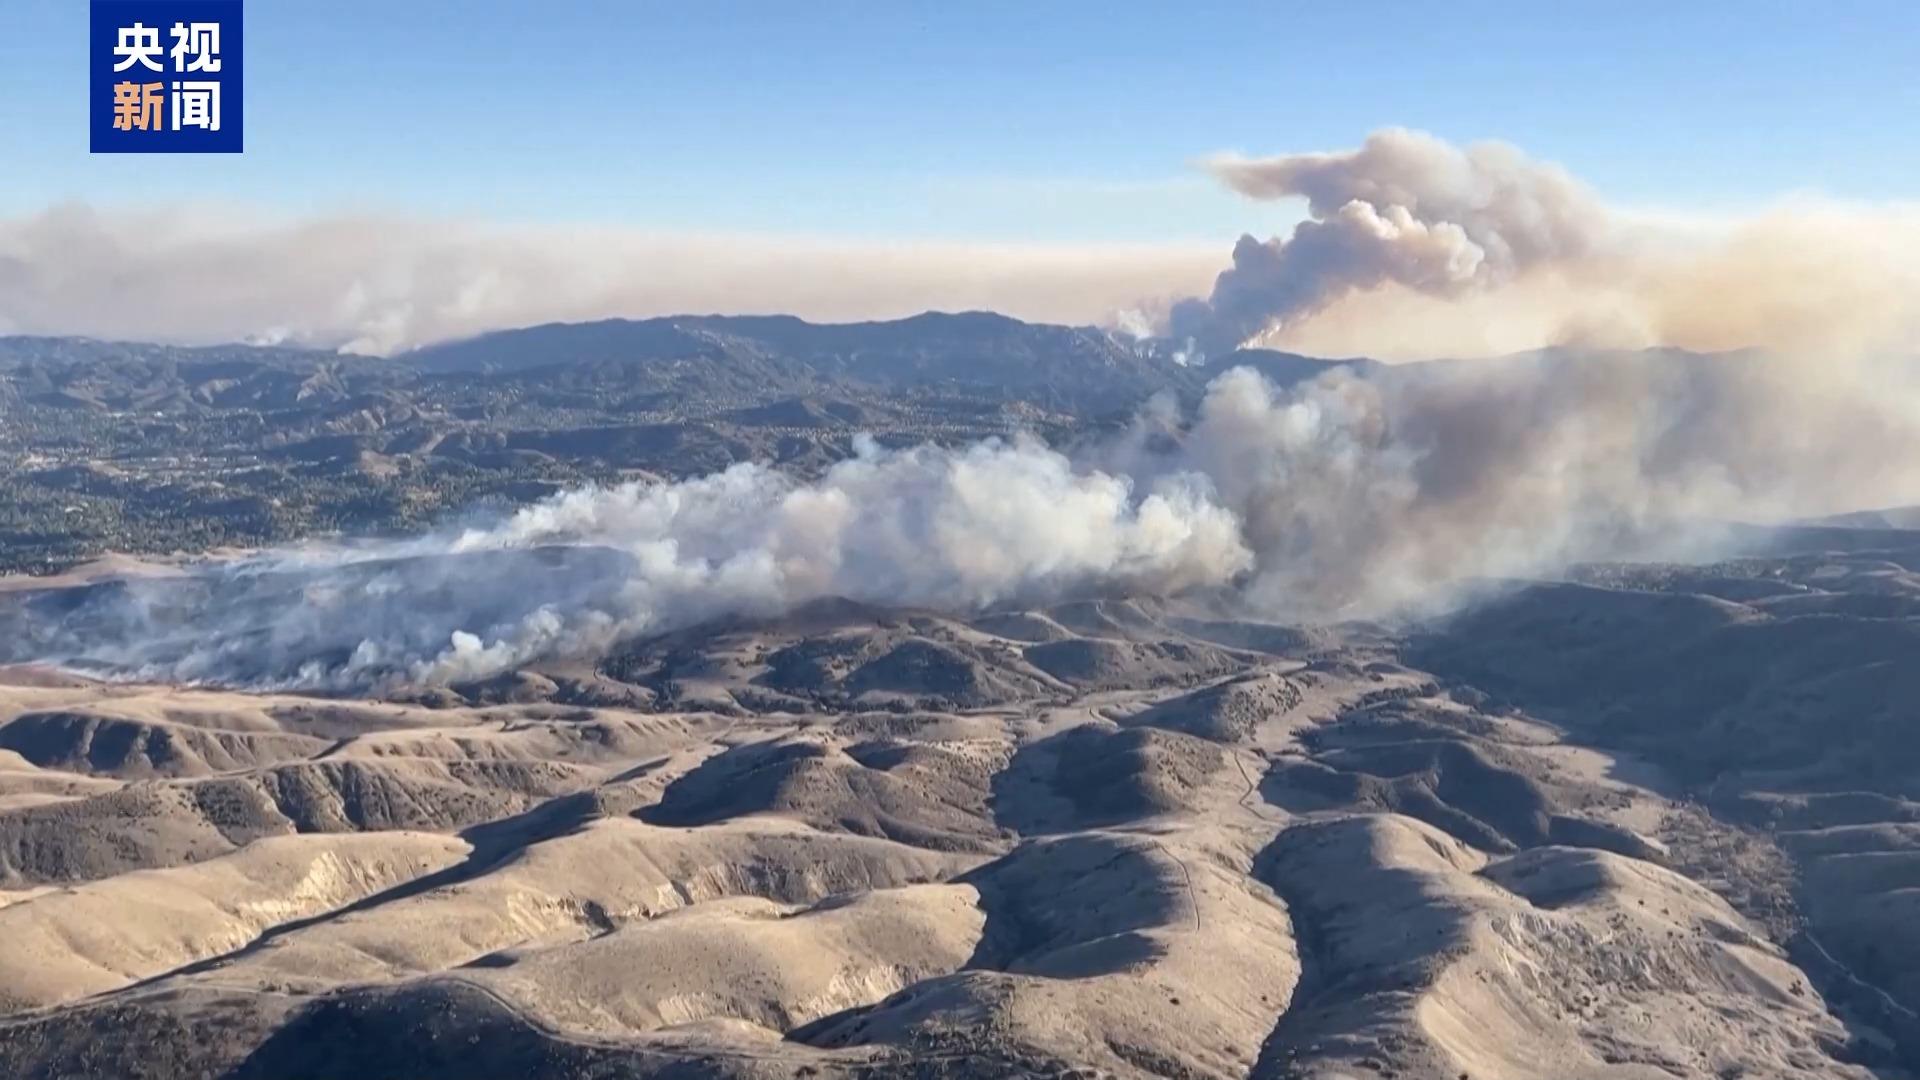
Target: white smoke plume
(992,523)
(1374,492)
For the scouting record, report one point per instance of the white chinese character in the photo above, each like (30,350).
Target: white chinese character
(196,105)
(139,43)
(196,47)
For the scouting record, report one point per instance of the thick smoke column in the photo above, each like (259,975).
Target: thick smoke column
(1405,208)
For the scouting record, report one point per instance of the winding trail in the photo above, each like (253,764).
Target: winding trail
(1248,801)
(1193,897)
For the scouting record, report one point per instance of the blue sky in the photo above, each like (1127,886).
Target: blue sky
(984,121)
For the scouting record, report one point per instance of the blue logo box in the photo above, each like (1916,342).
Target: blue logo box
(165,77)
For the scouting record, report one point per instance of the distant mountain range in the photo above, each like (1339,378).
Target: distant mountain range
(1055,367)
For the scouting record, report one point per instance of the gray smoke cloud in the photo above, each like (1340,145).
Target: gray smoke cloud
(1406,209)
(1372,492)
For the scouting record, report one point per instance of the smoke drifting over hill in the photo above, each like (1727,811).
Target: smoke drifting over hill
(1404,209)
(1414,246)
(1349,495)
(1362,492)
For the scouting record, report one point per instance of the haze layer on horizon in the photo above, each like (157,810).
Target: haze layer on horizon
(1067,165)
